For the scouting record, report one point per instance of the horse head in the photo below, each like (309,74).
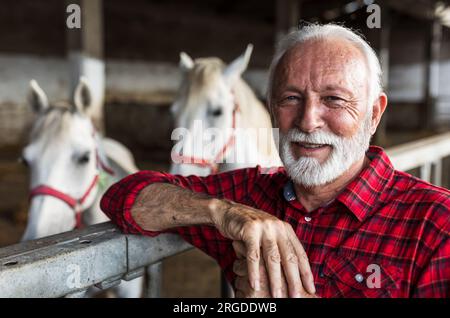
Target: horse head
(62,155)
(205,112)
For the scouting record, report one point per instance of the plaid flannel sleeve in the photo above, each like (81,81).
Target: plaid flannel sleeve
(117,202)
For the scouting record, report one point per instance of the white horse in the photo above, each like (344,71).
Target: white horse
(222,124)
(71,166)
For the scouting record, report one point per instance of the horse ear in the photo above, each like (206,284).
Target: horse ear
(186,62)
(82,98)
(233,71)
(37,98)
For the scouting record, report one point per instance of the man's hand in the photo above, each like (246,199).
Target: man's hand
(270,239)
(162,206)
(241,283)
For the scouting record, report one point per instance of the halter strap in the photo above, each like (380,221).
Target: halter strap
(74,203)
(212,165)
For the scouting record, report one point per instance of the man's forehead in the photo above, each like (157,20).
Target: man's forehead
(328,52)
(327,57)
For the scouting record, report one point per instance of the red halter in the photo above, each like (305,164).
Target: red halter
(75,204)
(220,155)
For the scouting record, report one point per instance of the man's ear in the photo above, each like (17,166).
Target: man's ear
(233,71)
(379,106)
(82,98)
(37,98)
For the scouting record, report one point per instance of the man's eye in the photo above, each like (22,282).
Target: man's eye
(333,99)
(291,99)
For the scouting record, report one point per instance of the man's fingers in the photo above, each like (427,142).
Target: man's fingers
(272,258)
(240,283)
(303,263)
(240,267)
(239,287)
(239,249)
(252,245)
(290,264)
(239,294)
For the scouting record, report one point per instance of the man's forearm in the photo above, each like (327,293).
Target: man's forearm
(162,206)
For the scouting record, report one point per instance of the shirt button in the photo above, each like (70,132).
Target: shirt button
(359,278)
(307,218)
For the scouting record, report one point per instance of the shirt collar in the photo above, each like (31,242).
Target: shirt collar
(362,194)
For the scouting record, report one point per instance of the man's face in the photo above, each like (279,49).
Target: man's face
(320,104)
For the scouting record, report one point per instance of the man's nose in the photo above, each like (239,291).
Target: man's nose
(309,118)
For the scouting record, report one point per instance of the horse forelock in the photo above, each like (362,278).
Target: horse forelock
(200,80)
(53,122)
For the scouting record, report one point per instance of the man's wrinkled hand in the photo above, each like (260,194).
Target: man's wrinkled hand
(275,284)
(243,288)
(266,237)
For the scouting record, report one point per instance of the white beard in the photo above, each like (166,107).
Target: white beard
(345,152)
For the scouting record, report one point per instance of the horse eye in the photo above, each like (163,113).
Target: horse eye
(216,112)
(83,159)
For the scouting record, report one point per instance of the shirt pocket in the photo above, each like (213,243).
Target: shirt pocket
(358,277)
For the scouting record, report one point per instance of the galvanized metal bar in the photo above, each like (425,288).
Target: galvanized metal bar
(154,281)
(78,294)
(71,262)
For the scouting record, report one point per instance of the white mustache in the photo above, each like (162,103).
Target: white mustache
(318,137)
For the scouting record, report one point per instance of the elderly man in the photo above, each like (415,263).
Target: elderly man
(338,220)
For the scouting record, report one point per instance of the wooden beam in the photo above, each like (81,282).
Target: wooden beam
(85,54)
(384,34)
(422,9)
(433,48)
(287,17)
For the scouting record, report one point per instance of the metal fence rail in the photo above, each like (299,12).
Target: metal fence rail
(427,154)
(67,264)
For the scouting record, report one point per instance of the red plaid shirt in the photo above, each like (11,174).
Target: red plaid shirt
(385,235)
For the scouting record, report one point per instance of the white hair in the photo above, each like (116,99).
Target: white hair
(329,31)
